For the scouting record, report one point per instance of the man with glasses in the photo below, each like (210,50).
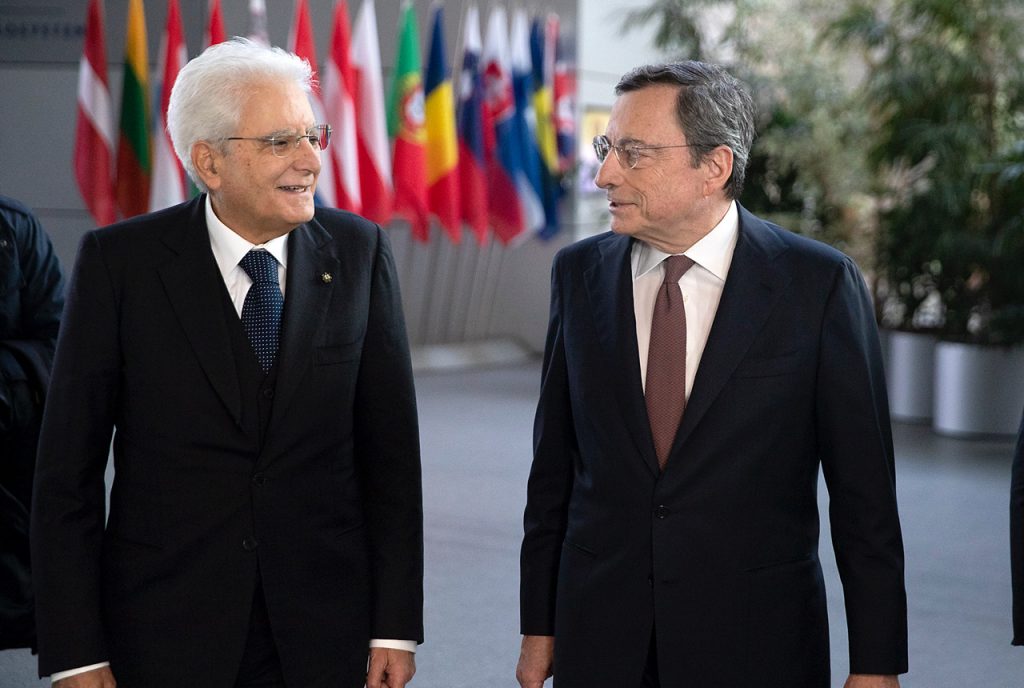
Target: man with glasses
(701,366)
(248,353)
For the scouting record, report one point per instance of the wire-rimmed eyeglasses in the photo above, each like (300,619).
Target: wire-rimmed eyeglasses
(283,145)
(628,155)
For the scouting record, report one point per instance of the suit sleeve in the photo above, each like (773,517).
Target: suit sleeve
(855,444)
(31,309)
(388,455)
(550,484)
(1017,537)
(69,500)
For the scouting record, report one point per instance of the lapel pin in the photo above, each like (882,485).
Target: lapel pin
(326,278)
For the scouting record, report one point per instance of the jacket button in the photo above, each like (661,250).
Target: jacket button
(250,543)
(259,479)
(661,512)
(268,392)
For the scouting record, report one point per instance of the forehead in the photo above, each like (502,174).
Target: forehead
(647,115)
(275,106)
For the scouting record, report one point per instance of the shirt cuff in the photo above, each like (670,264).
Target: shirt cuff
(407,645)
(58,675)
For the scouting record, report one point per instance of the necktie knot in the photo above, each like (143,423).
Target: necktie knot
(676,267)
(260,265)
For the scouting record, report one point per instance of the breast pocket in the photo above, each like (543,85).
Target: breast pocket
(772,365)
(337,353)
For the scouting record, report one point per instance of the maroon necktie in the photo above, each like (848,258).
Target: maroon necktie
(665,390)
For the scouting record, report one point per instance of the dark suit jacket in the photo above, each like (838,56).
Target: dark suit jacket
(325,502)
(1017,537)
(719,554)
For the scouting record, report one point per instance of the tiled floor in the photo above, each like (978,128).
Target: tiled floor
(476,430)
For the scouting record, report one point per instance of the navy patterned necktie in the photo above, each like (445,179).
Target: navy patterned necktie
(261,311)
(665,391)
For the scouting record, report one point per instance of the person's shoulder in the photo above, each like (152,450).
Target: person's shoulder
(776,239)
(149,226)
(348,229)
(584,249)
(14,207)
(15,215)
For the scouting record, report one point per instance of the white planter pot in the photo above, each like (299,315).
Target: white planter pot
(909,371)
(979,390)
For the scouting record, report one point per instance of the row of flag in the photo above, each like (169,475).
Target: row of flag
(485,151)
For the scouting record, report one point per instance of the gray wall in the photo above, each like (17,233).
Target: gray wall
(451,294)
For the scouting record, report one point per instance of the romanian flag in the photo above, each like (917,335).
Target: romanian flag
(371,129)
(543,35)
(300,42)
(406,128)
(442,145)
(338,90)
(472,163)
(170,185)
(94,130)
(500,145)
(214,32)
(134,160)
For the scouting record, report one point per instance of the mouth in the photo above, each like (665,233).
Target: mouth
(294,189)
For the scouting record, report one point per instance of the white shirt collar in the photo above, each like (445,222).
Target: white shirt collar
(713,251)
(229,248)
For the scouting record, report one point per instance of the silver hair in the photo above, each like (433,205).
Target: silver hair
(714,109)
(210,91)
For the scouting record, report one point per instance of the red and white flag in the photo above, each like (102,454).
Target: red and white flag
(372,127)
(300,42)
(214,32)
(168,185)
(338,90)
(94,130)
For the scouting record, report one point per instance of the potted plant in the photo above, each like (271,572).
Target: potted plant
(944,88)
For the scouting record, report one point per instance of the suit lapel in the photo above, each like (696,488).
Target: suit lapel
(755,282)
(196,291)
(313,274)
(609,284)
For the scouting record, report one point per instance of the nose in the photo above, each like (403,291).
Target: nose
(609,172)
(307,157)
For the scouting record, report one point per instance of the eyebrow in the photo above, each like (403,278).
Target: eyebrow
(629,140)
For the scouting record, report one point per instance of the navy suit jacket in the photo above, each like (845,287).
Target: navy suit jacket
(324,501)
(718,554)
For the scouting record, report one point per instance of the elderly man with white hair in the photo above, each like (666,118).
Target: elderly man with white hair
(246,350)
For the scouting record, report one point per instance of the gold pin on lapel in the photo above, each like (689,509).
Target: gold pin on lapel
(326,278)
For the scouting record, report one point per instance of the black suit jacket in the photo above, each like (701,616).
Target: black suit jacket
(719,553)
(1017,537)
(325,502)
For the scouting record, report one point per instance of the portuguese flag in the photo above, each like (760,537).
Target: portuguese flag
(407,129)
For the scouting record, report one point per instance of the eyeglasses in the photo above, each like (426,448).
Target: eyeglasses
(628,155)
(285,144)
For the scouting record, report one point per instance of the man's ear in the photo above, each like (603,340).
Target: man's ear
(718,167)
(206,159)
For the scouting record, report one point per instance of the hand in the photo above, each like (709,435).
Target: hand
(390,668)
(97,678)
(872,681)
(536,660)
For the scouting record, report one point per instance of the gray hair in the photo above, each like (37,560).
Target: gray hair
(208,95)
(713,107)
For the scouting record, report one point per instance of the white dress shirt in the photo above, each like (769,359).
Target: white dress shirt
(701,285)
(228,250)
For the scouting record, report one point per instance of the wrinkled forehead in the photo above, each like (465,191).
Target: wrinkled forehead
(645,116)
(276,107)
